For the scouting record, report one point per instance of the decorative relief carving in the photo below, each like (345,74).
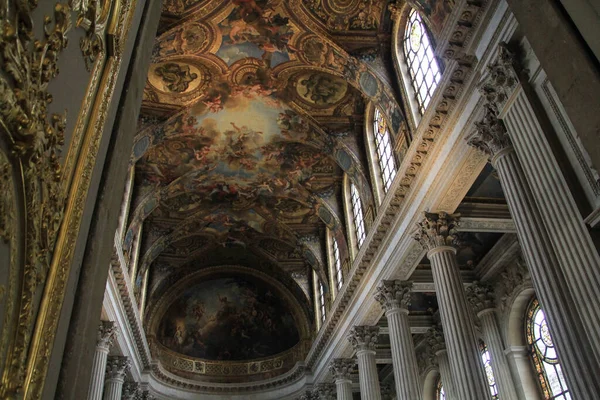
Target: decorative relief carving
(510,281)
(132,391)
(394,294)
(6,201)
(435,340)
(364,337)
(480,296)
(387,393)
(342,368)
(437,229)
(35,140)
(325,391)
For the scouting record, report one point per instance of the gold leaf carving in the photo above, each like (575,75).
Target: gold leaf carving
(34,139)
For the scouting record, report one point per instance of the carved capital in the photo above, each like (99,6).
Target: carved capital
(437,230)
(146,395)
(131,391)
(435,340)
(107,332)
(490,134)
(308,395)
(364,337)
(394,294)
(341,368)
(480,296)
(325,391)
(502,78)
(117,367)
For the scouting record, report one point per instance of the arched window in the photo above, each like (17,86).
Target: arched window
(337,263)
(423,67)
(440,394)
(489,373)
(543,354)
(383,146)
(322,302)
(357,213)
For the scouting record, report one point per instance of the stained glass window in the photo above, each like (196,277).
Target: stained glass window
(544,356)
(422,65)
(337,263)
(440,394)
(489,373)
(322,301)
(357,211)
(383,146)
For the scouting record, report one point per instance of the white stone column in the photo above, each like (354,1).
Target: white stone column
(482,300)
(562,311)
(364,339)
(437,347)
(341,369)
(116,369)
(325,391)
(395,297)
(437,235)
(107,331)
(507,89)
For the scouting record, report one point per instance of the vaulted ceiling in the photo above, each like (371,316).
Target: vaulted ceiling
(252,114)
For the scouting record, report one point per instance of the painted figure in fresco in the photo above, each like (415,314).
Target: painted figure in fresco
(436,11)
(176,77)
(322,89)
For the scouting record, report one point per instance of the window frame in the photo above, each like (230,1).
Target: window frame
(486,359)
(358,216)
(380,149)
(540,360)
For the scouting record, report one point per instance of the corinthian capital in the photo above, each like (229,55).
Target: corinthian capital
(502,78)
(117,367)
(364,337)
(394,294)
(308,395)
(325,391)
(435,340)
(490,134)
(437,229)
(480,296)
(107,332)
(341,368)
(131,391)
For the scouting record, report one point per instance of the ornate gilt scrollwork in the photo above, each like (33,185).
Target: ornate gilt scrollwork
(34,140)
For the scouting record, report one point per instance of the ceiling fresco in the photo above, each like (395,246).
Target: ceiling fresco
(229,318)
(252,115)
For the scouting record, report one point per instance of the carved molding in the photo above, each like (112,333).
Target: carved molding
(480,296)
(364,337)
(394,294)
(117,367)
(490,135)
(437,229)
(325,391)
(132,391)
(502,79)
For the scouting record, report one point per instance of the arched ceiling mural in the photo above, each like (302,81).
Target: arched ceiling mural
(252,113)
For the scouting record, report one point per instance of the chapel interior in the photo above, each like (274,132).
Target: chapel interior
(299,199)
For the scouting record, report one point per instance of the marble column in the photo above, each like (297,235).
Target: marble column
(395,297)
(364,339)
(437,347)
(481,298)
(437,234)
(562,311)
(116,369)
(107,332)
(325,391)
(508,91)
(131,391)
(341,369)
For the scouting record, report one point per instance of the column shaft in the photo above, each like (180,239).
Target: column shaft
(113,389)
(98,370)
(493,340)
(367,374)
(463,352)
(446,375)
(568,331)
(343,389)
(406,371)
(575,249)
